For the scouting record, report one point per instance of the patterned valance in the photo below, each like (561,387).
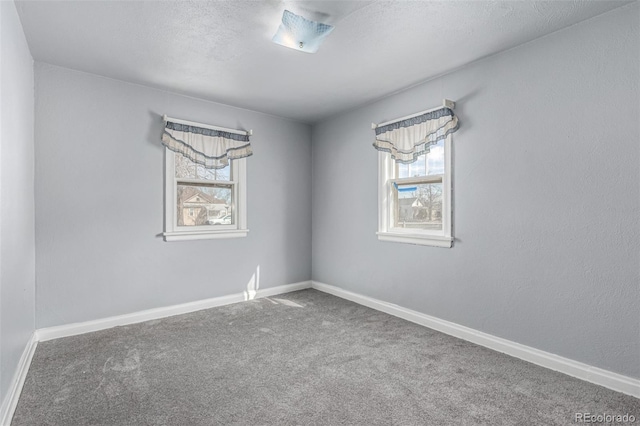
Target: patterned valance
(409,138)
(211,148)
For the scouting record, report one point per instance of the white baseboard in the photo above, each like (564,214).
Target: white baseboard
(49,333)
(15,388)
(608,379)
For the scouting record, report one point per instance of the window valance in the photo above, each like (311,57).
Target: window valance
(408,138)
(206,145)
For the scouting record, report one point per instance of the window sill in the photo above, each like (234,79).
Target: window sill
(423,240)
(204,235)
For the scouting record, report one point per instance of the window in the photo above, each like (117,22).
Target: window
(203,203)
(415,199)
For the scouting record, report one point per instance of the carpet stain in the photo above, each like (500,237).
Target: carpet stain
(122,375)
(63,395)
(131,362)
(166,354)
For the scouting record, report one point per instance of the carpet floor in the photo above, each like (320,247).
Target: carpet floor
(302,358)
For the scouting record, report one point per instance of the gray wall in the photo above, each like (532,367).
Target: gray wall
(546,178)
(17,241)
(99,202)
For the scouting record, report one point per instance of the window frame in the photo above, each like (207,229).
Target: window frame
(387,176)
(238,179)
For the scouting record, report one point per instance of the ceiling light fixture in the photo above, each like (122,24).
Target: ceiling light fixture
(301,34)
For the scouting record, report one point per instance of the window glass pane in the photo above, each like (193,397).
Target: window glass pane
(417,168)
(200,205)
(213,174)
(418,206)
(186,168)
(435,159)
(427,164)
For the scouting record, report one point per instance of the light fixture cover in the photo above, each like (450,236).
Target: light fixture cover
(299,33)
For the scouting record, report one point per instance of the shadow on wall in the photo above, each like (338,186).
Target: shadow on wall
(154,137)
(253,285)
(465,121)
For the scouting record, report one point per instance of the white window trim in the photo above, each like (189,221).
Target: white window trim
(173,232)
(443,238)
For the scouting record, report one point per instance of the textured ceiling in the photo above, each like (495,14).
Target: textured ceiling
(222,50)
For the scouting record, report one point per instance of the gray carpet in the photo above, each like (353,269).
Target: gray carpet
(304,358)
